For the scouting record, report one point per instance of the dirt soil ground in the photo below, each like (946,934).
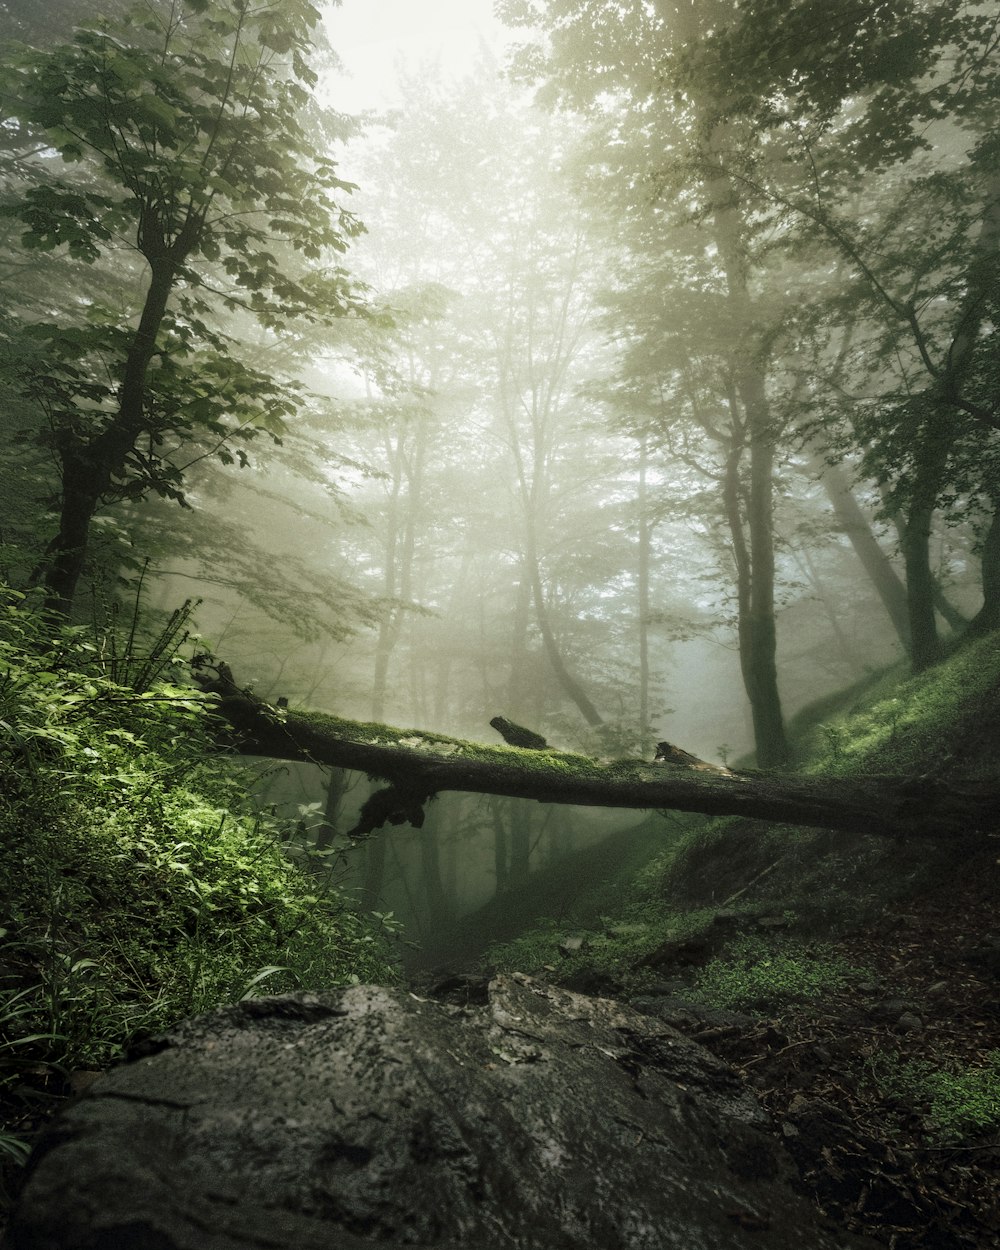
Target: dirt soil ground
(871,1162)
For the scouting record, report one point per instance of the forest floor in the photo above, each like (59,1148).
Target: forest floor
(877,1161)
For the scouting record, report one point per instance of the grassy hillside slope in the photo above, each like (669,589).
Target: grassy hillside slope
(137,883)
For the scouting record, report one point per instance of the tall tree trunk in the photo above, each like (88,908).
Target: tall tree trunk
(445,658)
(89,469)
(933,444)
(853,522)
(938,432)
(732,495)
(537,394)
(988,616)
(944,607)
(758,634)
(501,849)
(765,701)
(521,689)
(567,682)
(336,788)
(646,735)
(67,552)
(404,512)
(439,904)
(925,647)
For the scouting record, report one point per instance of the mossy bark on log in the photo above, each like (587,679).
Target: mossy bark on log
(418,763)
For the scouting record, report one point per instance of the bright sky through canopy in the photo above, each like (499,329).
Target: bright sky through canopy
(373,37)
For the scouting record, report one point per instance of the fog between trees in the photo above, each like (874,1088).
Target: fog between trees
(657,400)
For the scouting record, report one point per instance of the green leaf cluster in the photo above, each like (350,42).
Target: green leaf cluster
(757,974)
(176,167)
(957,1102)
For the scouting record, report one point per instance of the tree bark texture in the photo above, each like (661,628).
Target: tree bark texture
(88,468)
(930,456)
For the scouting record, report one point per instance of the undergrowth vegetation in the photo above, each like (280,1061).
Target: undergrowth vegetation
(956,1102)
(761,975)
(899,726)
(946,720)
(137,884)
(616,951)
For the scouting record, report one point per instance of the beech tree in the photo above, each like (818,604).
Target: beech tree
(185,141)
(662,159)
(883,139)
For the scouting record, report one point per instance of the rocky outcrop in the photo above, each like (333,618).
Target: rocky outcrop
(529,1118)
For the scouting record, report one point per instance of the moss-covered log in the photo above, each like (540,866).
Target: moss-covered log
(418,765)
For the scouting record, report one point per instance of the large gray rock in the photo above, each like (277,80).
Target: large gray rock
(540,1119)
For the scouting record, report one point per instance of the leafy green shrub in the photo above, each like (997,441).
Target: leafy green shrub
(137,885)
(755,974)
(957,1103)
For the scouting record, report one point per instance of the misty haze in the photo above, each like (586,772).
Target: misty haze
(500,587)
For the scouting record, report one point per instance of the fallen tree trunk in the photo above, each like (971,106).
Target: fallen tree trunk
(418,765)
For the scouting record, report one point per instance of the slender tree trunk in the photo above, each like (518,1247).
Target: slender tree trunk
(532,457)
(758,634)
(988,616)
(646,735)
(89,469)
(389,625)
(438,902)
(336,788)
(520,690)
(732,494)
(445,658)
(765,701)
(404,513)
(933,444)
(567,682)
(501,850)
(886,582)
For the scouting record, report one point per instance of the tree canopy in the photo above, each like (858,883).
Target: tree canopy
(191,145)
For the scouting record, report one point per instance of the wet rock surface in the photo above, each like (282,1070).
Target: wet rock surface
(529,1117)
